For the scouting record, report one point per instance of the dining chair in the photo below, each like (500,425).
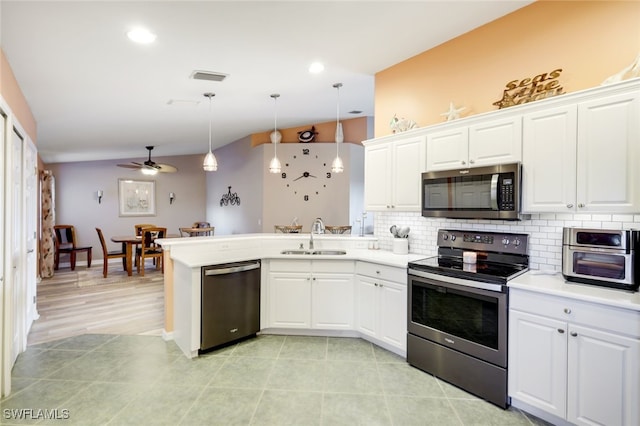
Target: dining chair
(148,249)
(138,227)
(65,243)
(113,254)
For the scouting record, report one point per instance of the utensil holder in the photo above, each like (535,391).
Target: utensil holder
(400,245)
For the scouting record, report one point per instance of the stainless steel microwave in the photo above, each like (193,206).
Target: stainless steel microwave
(492,192)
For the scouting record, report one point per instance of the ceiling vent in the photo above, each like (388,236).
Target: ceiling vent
(208,75)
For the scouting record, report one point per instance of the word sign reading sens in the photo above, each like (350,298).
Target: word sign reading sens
(531,89)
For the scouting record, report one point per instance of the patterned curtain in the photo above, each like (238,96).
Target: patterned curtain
(47,183)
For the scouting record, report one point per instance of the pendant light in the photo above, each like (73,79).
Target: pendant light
(337,166)
(210,163)
(276,137)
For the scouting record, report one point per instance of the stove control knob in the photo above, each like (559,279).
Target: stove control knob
(505,241)
(516,242)
(453,238)
(445,237)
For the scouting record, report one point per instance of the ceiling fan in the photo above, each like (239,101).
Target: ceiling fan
(150,167)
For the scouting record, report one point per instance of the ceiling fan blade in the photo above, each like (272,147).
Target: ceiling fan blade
(166,168)
(129,166)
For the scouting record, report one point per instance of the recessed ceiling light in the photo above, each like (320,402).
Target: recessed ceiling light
(316,67)
(141,35)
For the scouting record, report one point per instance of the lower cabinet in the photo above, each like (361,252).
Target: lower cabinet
(311,294)
(575,360)
(381,304)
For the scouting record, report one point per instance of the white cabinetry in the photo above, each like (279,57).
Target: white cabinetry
(392,169)
(484,143)
(574,360)
(381,305)
(583,157)
(309,294)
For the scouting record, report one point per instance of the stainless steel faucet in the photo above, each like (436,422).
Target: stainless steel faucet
(318,225)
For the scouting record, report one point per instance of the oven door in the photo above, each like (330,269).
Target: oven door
(466,319)
(613,268)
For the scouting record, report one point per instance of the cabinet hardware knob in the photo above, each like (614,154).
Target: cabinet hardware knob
(376,284)
(378,272)
(569,206)
(573,333)
(388,206)
(381,285)
(314,278)
(463,162)
(561,331)
(471,161)
(581,205)
(567,310)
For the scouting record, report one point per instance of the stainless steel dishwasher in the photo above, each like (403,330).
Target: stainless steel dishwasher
(230,307)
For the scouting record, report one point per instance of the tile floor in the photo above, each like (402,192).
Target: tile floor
(99,379)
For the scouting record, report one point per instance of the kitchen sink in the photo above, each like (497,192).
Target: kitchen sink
(315,252)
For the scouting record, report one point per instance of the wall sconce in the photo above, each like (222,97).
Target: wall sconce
(172,196)
(100,193)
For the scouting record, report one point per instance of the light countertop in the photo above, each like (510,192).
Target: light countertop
(556,285)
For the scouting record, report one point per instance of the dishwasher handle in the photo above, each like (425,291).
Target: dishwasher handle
(232,269)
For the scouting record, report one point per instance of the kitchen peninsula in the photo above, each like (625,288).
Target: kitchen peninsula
(335,294)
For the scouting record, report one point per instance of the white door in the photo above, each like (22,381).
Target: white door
(538,361)
(332,301)
(290,300)
(608,153)
(549,160)
(366,305)
(448,150)
(31,224)
(393,313)
(5,366)
(603,378)
(18,284)
(377,177)
(495,142)
(409,161)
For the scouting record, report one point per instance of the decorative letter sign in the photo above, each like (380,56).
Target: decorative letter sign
(531,89)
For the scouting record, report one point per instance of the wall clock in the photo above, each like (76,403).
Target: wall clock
(306,174)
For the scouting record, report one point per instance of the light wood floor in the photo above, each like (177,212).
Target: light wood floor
(82,301)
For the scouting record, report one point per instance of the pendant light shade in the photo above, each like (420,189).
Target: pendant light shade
(276,137)
(337,166)
(210,163)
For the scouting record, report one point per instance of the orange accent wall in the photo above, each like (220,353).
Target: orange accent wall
(589,40)
(353,129)
(13,96)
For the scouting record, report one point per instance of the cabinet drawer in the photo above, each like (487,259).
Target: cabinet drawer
(389,273)
(278,265)
(333,266)
(603,317)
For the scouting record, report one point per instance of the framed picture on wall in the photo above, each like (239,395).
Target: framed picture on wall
(137,197)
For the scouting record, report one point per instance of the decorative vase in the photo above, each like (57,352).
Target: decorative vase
(339,134)
(275,136)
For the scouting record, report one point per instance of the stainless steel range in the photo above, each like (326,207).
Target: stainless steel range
(457,309)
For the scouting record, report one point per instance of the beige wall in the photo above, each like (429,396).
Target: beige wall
(13,96)
(589,40)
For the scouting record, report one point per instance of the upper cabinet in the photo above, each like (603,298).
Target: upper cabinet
(392,171)
(582,157)
(484,143)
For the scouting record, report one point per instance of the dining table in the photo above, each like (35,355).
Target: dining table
(129,242)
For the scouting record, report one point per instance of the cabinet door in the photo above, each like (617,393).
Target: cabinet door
(377,177)
(495,142)
(448,150)
(409,158)
(608,152)
(538,361)
(603,378)
(392,304)
(332,301)
(366,305)
(549,160)
(290,300)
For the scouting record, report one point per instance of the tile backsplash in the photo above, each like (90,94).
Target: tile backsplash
(544,230)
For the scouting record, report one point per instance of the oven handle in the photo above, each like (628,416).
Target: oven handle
(494,191)
(467,283)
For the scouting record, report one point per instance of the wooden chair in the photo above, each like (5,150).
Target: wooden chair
(148,249)
(65,243)
(139,227)
(114,254)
